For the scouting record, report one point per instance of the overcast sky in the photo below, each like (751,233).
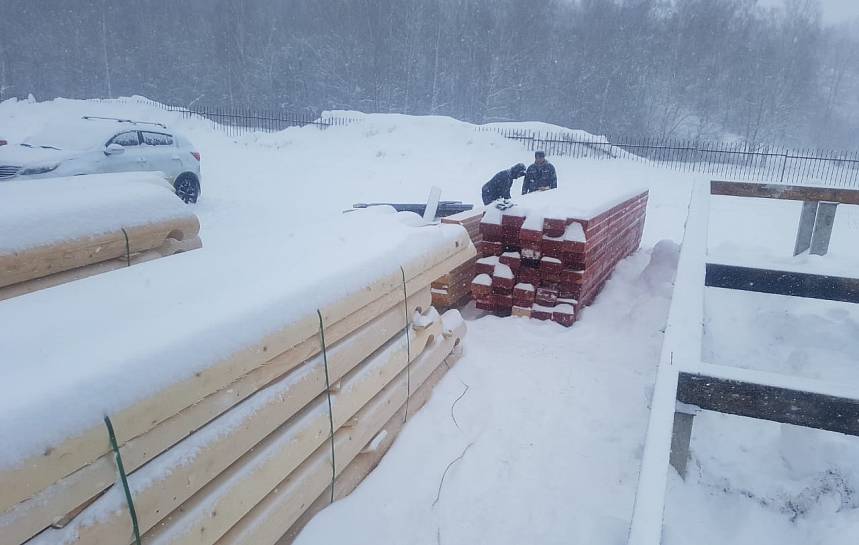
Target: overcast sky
(834,11)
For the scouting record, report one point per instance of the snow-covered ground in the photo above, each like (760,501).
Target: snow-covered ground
(553,419)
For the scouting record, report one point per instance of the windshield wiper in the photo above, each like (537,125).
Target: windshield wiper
(43,147)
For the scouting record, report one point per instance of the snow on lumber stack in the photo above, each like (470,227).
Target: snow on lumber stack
(57,230)
(547,260)
(216,393)
(454,288)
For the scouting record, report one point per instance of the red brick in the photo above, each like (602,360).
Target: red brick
(541,313)
(512,220)
(566,320)
(502,301)
(489,248)
(480,290)
(546,297)
(554,227)
(512,261)
(551,265)
(504,284)
(553,246)
(549,276)
(491,231)
(529,275)
(572,276)
(486,304)
(530,235)
(486,265)
(520,291)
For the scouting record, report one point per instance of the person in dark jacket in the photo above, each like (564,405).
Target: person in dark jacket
(539,176)
(499,186)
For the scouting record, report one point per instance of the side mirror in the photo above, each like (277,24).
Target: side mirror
(114,149)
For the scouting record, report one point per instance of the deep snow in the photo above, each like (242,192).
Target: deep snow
(58,209)
(555,418)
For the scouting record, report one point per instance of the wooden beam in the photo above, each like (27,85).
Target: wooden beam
(225,501)
(682,342)
(768,402)
(351,341)
(169,247)
(40,261)
(812,286)
(40,471)
(785,192)
(366,461)
(288,419)
(276,513)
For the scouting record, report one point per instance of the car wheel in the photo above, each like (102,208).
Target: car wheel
(187,188)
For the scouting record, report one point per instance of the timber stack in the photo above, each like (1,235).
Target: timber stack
(49,235)
(453,289)
(264,425)
(543,261)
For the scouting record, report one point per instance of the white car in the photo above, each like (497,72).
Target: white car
(93,145)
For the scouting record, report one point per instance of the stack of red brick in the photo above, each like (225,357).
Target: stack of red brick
(549,265)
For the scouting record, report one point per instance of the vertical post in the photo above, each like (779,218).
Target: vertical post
(783,167)
(805,231)
(823,228)
(681,438)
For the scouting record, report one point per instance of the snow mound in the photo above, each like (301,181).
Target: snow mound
(41,212)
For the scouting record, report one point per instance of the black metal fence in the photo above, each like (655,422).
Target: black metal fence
(236,122)
(735,161)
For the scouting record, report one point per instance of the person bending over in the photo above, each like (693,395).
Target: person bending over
(499,186)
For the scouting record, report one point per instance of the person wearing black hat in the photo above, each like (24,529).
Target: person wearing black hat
(540,176)
(499,186)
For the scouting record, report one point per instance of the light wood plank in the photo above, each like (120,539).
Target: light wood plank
(366,461)
(38,472)
(170,480)
(272,517)
(365,333)
(42,261)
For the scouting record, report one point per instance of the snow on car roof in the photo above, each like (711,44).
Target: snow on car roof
(82,133)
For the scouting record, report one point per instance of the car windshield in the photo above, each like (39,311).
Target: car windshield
(77,136)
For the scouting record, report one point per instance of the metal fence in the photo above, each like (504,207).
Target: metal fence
(236,122)
(736,161)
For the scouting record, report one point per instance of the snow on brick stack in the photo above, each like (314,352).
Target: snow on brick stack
(230,425)
(541,261)
(454,288)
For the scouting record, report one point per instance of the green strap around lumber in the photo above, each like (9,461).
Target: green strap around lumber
(328,394)
(124,479)
(408,346)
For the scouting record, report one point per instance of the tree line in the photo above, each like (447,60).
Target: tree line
(714,69)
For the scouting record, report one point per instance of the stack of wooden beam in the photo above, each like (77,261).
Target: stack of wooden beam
(37,250)
(548,263)
(454,288)
(248,447)
(35,268)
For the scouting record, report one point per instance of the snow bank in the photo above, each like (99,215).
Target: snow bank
(41,212)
